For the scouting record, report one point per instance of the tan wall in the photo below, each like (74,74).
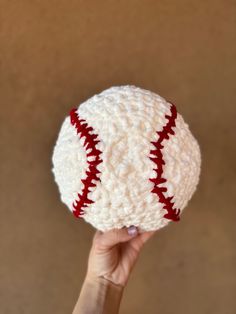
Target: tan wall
(54,55)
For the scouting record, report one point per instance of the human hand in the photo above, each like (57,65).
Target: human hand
(111,259)
(113,254)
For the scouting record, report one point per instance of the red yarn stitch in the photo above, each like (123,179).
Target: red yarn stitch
(83,130)
(172,214)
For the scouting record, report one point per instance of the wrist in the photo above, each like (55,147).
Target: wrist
(103,283)
(99,295)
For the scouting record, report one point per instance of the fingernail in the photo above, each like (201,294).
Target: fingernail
(132,230)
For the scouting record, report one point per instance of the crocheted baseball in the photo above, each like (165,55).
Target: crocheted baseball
(126,157)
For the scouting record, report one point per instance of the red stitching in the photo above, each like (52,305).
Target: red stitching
(172,214)
(83,130)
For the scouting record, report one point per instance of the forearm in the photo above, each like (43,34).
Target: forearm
(99,296)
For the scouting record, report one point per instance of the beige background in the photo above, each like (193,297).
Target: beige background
(55,54)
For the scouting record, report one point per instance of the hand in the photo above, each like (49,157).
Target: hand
(114,253)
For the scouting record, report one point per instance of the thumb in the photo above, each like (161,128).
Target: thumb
(112,237)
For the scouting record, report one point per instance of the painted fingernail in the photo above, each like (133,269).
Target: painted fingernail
(132,231)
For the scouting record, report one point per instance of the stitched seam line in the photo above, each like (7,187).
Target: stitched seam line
(172,213)
(93,159)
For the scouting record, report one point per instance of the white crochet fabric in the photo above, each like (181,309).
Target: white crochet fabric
(126,120)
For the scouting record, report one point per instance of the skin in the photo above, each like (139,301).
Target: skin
(111,259)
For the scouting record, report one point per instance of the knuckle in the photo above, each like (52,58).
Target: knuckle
(116,234)
(97,245)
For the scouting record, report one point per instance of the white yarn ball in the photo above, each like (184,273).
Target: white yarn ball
(121,124)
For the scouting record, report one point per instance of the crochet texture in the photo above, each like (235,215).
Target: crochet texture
(126,157)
